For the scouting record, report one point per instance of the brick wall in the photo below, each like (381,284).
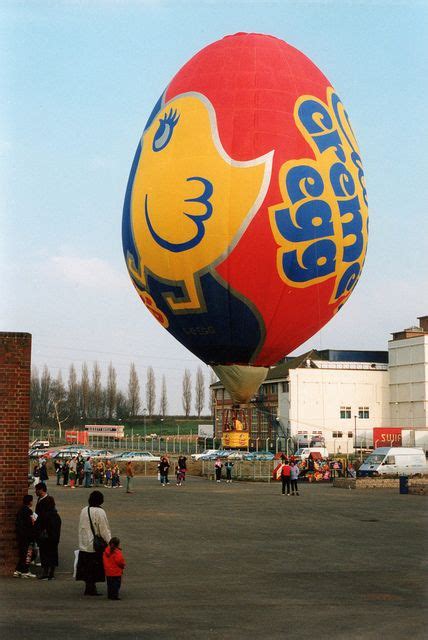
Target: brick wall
(15,374)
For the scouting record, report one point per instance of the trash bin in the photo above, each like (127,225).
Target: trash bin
(404,484)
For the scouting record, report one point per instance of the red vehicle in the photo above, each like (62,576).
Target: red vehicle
(76,437)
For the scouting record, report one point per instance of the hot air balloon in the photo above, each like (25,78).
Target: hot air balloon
(245,220)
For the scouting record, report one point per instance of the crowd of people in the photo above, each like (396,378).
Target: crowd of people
(312,469)
(85,472)
(99,556)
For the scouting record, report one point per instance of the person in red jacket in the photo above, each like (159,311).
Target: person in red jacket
(286,476)
(114,564)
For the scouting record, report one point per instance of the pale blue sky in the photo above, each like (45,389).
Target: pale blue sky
(79,80)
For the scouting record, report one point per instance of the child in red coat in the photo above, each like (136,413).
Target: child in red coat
(114,564)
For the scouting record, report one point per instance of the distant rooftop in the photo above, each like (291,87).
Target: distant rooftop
(413,332)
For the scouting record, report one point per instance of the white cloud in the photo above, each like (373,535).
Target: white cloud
(90,273)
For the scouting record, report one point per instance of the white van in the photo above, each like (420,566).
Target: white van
(394,461)
(304,452)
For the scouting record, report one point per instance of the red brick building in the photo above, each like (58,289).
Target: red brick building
(15,374)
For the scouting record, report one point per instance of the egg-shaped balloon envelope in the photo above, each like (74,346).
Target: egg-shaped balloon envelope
(245,220)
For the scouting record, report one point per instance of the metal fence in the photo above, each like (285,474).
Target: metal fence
(259,470)
(165,444)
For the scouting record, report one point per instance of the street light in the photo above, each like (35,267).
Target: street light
(355,434)
(144,425)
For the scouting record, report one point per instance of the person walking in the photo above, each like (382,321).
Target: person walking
(49,525)
(285,477)
(24,526)
(228,466)
(129,476)
(217,468)
(94,533)
(87,469)
(294,475)
(114,564)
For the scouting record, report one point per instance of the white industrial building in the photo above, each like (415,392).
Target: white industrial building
(341,396)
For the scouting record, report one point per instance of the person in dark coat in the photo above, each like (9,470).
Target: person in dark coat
(49,527)
(43,472)
(24,526)
(65,472)
(42,494)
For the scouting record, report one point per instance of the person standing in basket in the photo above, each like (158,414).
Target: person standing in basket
(114,564)
(49,527)
(94,535)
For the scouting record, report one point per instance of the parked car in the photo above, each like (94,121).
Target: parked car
(71,452)
(40,444)
(38,453)
(259,456)
(203,454)
(136,456)
(102,453)
(237,455)
(220,453)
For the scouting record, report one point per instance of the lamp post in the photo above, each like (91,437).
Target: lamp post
(144,425)
(355,435)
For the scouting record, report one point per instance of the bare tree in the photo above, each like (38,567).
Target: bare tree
(44,398)
(96,391)
(111,391)
(187,392)
(150,391)
(58,402)
(212,379)
(199,391)
(134,401)
(163,405)
(85,389)
(73,396)
(34,395)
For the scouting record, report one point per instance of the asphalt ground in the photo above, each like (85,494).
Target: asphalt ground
(239,560)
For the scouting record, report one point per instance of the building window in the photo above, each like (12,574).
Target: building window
(337,434)
(350,434)
(363,413)
(345,412)
(274,388)
(286,387)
